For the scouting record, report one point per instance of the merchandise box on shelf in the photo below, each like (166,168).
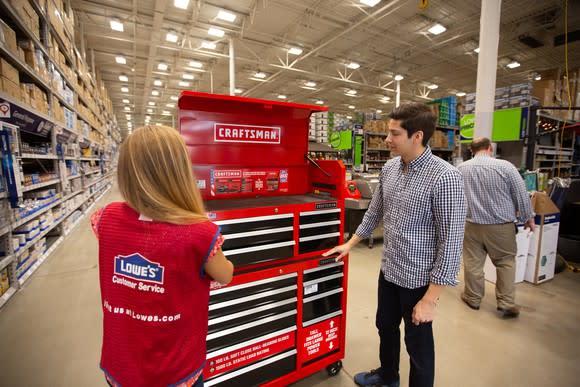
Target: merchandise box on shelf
(544,241)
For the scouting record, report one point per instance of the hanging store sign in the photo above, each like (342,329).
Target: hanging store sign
(247,133)
(25,120)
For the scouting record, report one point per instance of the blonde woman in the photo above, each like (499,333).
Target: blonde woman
(158,253)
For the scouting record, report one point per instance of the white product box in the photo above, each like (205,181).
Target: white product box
(544,242)
(523,238)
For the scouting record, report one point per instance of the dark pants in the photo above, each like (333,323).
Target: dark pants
(394,303)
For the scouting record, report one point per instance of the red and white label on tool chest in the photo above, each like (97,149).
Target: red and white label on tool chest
(247,133)
(249,354)
(320,339)
(248,180)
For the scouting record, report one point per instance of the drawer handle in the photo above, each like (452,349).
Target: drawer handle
(253,283)
(319,224)
(319,319)
(311,213)
(316,237)
(252,297)
(235,347)
(252,324)
(323,279)
(258,232)
(258,248)
(248,312)
(322,295)
(254,219)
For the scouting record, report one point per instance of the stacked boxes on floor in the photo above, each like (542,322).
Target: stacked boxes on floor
(321,122)
(446,110)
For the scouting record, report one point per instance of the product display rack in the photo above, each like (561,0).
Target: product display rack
(58,133)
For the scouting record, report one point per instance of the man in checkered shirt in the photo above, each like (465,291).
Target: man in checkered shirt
(421,202)
(497,197)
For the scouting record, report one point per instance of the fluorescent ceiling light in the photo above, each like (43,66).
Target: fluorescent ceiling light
(460,94)
(351,106)
(147,118)
(370,3)
(162,66)
(171,37)
(183,84)
(157,124)
(127,109)
(476,50)
(349,117)
(123,78)
(399,77)
(155,93)
(216,32)
(208,45)
(351,92)
(120,60)
(295,51)
(125,89)
(188,76)
(149,110)
(151,103)
(126,101)
(225,15)
(353,65)
(385,97)
(379,111)
(128,116)
(281,96)
(513,65)
(166,113)
(116,25)
(538,77)
(157,82)
(181,4)
(309,88)
(260,75)
(173,98)
(437,29)
(310,84)
(238,91)
(195,64)
(170,105)
(432,86)
(320,102)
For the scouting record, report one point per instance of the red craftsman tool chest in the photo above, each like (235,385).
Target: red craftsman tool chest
(283,316)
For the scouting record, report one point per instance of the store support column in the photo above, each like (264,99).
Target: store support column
(487,67)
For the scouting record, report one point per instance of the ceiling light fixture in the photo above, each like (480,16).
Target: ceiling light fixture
(123,78)
(195,64)
(353,65)
(126,101)
(281,96)
(295,51)
(154,93)
(351,106)
(120,60)
(171,37)
(310,84)
(181,4)
(513,64)
(116,25)
(238,91)
(399,77)
(349,117)
(147,118)
(158,124)
(538,77)
(124,89)
(128,117)
(162,66)
(170,105)
(227,16)
(166,113)
(216,32)
(432,86)
(149,110)
(188,76)
(157,82)
(370,3)
(173,98)
(260,75)
(151,103)
(379,111)
(460,94)
(208,45)
(183,84)
(476,50)
(351,92)
(320,102)
(437,29)
(127,109)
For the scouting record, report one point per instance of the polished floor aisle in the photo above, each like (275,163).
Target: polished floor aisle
(50,331)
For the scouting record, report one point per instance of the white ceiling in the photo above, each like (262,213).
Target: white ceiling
(387,39)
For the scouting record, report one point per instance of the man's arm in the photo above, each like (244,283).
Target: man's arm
(521,198)
(424,310)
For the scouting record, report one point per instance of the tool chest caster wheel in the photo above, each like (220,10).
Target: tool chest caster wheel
(334,368)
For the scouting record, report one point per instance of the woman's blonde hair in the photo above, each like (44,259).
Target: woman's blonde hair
(155,176)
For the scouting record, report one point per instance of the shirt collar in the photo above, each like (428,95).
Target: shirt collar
(419,161)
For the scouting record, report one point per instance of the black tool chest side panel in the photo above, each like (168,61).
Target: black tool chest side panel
(234,228)
(261,375)
(257,240)
(251,332)
(318,244)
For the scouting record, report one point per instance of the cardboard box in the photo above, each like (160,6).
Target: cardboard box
(10,88)
(544,242)
(8,37)
(523,238)
(8,71)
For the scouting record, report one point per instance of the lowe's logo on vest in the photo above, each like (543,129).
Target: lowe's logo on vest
(138,267)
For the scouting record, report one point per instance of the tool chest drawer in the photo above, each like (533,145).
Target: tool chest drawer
(319,230)
(322,291)
(256,223)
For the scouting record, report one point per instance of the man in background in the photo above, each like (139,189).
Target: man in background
(496,198)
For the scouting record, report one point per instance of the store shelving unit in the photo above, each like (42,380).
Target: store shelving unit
(375,153)
(58,134)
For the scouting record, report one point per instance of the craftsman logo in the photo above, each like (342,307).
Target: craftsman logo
(247,133)
(137,267)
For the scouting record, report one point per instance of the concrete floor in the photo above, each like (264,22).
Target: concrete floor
(50,331)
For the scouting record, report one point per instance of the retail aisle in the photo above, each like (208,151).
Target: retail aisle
(50,331)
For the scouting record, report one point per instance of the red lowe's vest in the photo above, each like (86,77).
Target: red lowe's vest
(155,297)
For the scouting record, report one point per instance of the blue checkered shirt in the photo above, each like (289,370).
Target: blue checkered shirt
(423,212)
(495,191)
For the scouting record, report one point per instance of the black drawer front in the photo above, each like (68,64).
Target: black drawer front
(317,244)
(319,230)
(322,272)
(324,286)
(269,371)
(234,228)
(259,256)
(236,292)
(257,240)
(321,306)
(264,312)
(253,303)
(251,332)
(307,219)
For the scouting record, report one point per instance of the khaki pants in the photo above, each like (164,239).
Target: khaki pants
(499,242)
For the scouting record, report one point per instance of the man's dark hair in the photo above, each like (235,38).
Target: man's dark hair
(480,143)
(414,117)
